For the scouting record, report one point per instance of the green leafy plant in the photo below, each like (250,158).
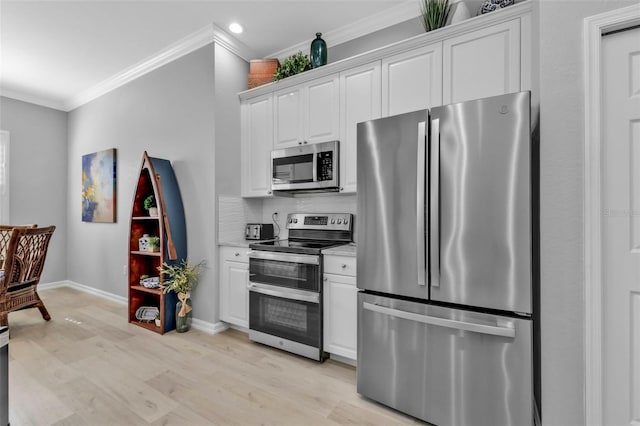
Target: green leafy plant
(154,241)
(180,277)
(293,65)
(434,13)
(149,202)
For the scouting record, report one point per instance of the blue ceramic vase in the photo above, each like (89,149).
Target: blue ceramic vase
(318,52)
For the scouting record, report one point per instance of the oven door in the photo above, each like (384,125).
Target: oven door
(295,271)
(286,319)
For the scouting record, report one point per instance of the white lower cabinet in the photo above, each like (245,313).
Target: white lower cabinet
(340,306)
(234,278)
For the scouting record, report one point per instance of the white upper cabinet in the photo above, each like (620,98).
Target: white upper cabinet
(412,80)
(257,142)
(360,93)
(482,63)
(307,114)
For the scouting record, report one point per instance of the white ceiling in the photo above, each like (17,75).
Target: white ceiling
(52,51)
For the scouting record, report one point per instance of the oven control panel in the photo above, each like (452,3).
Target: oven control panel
(324,221)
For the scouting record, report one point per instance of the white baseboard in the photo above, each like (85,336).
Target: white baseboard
(207,327)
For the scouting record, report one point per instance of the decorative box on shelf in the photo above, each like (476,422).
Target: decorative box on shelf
(261,71)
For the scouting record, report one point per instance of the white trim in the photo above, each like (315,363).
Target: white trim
(32,99)
(205,326)
(209,34)
(594,26)
(386,18)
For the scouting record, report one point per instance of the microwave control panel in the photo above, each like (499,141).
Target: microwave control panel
(325,166)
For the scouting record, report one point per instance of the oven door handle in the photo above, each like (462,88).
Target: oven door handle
(285,257)
(300,295)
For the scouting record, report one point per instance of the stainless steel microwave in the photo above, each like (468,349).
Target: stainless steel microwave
(306,168)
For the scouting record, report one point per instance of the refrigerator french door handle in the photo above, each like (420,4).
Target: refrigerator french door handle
(434,208)
(420,204)
(507,330)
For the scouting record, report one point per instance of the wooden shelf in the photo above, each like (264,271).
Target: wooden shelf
(147,253)
(157,291)
(158,179)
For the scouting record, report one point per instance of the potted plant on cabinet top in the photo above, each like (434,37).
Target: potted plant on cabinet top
(182,278)
(293,65)
(150,205)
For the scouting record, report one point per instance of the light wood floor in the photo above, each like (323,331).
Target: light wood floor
(88,366)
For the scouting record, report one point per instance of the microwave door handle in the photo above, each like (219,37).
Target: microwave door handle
(420,204)
(434,225)
(502,328)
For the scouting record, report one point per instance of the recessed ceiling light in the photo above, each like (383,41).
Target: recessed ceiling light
(234,27)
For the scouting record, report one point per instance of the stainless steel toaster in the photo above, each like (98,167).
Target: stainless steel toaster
(258,231)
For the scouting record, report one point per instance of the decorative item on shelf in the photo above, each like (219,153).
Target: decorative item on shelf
(459,12)
(157,319)
(181,278)
(154,244)
(434,13)
(294,64)
(261,71)
(146,313)
(318,52)
(491,5)
(149,282)
(150,205)
(143,242)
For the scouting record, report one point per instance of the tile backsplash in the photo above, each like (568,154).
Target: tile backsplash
(234,212)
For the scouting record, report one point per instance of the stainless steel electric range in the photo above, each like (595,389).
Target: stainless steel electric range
(285,282)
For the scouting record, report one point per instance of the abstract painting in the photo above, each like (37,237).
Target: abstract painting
(99,186)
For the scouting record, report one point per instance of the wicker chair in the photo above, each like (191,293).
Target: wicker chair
(24,256)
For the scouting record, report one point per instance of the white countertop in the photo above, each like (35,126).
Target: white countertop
(344,250)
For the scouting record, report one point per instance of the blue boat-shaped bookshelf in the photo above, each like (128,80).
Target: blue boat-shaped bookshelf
(158,179)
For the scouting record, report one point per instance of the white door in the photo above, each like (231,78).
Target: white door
(621,227)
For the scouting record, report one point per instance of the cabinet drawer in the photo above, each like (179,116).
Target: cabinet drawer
(236,254)
(340,265)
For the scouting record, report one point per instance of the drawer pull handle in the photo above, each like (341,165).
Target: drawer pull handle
(344,265)
(237,254)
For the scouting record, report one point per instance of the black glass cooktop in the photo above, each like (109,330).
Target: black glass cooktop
(295,246)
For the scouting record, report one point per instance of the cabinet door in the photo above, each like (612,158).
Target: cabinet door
(482,63)
(340,315)
(257,142)
(412,80)
(360,93)
(234,296)
(322,110)
(288,104)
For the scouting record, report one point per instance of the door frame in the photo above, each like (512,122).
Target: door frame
(594,27)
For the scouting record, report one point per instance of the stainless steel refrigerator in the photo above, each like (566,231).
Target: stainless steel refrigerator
(444,266)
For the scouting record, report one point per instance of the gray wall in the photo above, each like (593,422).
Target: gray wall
(170,114)
(230,78)
(562,149)
(38,174)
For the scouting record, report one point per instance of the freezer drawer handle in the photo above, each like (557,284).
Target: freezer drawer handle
(299,295)
(285,257)
(507,331)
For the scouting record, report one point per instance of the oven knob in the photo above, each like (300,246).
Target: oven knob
(333,221)
(290,220)
(339,221)
(295,220)
(346,221)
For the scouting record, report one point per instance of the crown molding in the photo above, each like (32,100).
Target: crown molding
(32,99)
(395,15)
(209,34)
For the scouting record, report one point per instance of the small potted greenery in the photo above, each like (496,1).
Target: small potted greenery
(150,205)
(434,13)
(181,278)
(294,64)
(157,319)
(154,244)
